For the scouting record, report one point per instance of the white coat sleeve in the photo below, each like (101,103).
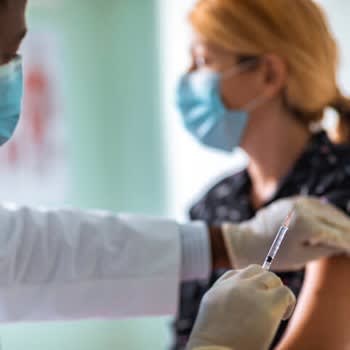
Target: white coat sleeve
(70,264)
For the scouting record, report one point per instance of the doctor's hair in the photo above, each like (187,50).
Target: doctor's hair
(14,3)
(295,30)
(4,4)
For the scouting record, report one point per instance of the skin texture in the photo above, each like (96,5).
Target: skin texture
(323,324)
(320,320)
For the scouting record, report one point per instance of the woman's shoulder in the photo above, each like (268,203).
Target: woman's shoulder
(321,144)
(330,171)
(323,161)
(343,152)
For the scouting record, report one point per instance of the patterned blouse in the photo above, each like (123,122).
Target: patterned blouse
(323,170)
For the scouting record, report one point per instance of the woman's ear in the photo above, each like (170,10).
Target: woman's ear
(275,75)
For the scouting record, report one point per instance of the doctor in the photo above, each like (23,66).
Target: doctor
(72,264)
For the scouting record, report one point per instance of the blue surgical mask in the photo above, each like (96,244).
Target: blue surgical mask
(11,90)
(204,113)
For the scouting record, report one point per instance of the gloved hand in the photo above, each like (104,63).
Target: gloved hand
(317,230)
(242,311)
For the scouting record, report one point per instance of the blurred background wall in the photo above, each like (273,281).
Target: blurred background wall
(121,146)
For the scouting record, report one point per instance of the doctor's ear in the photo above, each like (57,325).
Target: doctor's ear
(274,74)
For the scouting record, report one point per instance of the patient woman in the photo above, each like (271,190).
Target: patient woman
(263,73)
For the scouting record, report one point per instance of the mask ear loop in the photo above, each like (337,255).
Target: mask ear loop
(252,105)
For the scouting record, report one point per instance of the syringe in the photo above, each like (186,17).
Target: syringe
(277,242)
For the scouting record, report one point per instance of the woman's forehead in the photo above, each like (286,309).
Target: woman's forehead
(202,46)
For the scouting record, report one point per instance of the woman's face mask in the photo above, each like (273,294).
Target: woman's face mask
(11,91)
(204,113)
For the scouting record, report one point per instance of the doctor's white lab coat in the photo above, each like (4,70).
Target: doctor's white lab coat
(70,264)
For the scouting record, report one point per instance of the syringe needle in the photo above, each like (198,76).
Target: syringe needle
(277,241)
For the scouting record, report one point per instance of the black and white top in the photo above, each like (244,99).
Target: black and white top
(323,170)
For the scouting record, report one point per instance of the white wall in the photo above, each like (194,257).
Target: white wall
(338,12)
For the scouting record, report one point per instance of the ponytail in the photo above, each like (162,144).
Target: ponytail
(342,107)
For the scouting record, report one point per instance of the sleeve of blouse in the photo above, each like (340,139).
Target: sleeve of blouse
(337,186)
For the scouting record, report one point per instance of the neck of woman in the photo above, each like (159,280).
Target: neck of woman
(273,140)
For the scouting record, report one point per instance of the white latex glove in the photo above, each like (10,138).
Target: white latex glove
(242,311)
(317,230)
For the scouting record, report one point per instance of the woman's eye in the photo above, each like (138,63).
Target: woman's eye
(202,61)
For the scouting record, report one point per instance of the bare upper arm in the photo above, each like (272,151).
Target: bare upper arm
(321,319)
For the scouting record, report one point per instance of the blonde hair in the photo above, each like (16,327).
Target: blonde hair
(297,31)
